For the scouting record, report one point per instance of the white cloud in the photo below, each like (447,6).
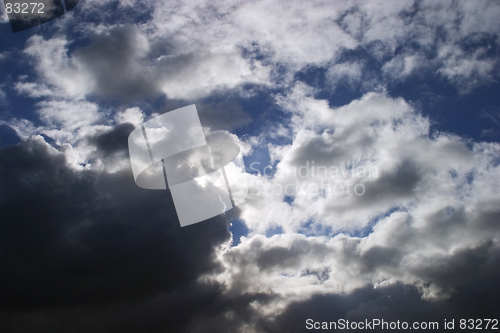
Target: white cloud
(70,124)
(22,127)
(225,136)
(191,49)
(196,75)
(68,115)
(351,73)
(466,71)
(133,115)
(376,144)
(32,89)
(118,64)
(431,206)
(402,66)
(64,75)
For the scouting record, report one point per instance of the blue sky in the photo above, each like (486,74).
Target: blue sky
(406,88)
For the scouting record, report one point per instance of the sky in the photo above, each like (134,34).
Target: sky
(370,135)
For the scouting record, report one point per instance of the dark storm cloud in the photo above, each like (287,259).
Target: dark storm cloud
(209,312)
(398,302)
(113,141)
(72,238)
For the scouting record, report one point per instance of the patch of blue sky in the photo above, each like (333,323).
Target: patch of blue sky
(311,228)
(278,230)
(263,110)
(316,78)
(289,199)
(12,69)
(8,136)
(238,229)
(258,161)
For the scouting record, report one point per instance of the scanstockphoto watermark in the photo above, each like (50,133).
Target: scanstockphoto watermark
(314,180)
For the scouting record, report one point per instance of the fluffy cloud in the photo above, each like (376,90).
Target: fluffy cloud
(426,216)
(122,63)
(56,70)
(401,37)
(171,54)
(378,146)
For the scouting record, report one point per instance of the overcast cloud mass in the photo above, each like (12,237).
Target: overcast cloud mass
(370,132)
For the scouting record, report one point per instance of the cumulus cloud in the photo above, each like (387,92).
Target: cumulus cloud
(133,115)
(76,231)
(402,37)
(429,209)
(121,63)
(267,42)
(378,146)
(60,75)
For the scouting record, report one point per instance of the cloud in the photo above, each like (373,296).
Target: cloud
(61,75)
(379,145)
(467,71)
(263,43)
(121,63)
(81,131)
(76,240)
(425,215)
(114,62)
(133,115)
(402,37)
(365,211)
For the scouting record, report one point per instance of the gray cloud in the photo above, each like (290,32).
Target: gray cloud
(116,61)
(90,238)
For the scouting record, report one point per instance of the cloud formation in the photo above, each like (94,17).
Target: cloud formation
(358,207)
(76,240)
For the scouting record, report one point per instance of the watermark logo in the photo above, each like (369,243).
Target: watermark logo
(29,14)
(313,180)
(205,178)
